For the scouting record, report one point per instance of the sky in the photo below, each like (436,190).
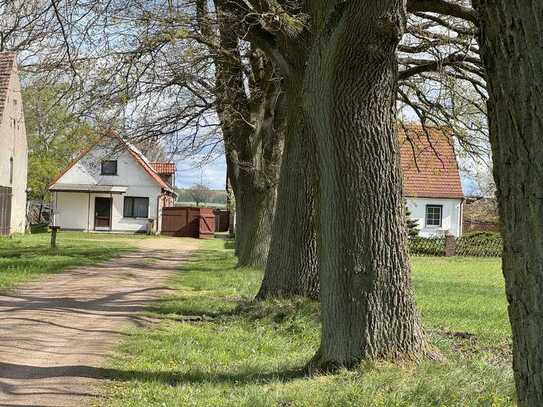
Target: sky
(213,175)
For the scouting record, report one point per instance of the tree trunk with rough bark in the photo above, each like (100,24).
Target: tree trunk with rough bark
(292,268)
(512,48)
(255,207)
(367,303)
(252,127)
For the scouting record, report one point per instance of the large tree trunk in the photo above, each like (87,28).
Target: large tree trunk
(252,131)
(254,183)
(259,174)
(367,304)
(255,210)
(512,49)
(292,269)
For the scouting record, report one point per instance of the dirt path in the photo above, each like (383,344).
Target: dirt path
(56,333)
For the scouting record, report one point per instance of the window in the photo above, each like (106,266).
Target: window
(109,167)
(434,214)
(11,170)
(136,207)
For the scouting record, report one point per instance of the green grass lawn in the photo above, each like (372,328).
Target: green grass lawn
(216,348)
(27,257)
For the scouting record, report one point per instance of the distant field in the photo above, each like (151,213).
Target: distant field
(216,198)
(202,205)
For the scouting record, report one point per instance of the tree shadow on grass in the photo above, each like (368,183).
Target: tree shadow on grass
(29,254)
(14,371)
(221,310)
(208,261)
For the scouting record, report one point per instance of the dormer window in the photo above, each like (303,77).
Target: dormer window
(109,167)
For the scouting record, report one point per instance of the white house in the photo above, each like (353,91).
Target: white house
(432,184)
(13,149)
(113,187)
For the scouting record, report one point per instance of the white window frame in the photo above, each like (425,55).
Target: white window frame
(426,217)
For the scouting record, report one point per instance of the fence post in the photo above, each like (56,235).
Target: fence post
(450,245)
(54,230)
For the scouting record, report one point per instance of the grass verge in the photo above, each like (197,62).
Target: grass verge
(27,257)
(214,347)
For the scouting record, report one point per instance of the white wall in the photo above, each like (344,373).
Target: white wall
(72,208)
(451,222)
(75,212)
(13,144)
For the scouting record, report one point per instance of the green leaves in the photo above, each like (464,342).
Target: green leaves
(55,134)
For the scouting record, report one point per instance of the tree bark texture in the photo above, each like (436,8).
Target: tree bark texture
(511,43)
(252,126)
(367,303)
(292,268)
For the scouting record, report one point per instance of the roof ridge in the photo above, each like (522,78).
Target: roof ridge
(138,156)
(8,59)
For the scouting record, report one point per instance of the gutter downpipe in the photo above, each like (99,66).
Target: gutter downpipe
(88,213)
(157,226)
(55,211)
(461,218)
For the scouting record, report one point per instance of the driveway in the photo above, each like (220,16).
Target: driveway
(56,333)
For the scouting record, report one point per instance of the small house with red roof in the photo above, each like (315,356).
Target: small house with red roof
(432,185)
(113,187)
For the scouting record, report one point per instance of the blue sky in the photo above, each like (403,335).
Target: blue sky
(211,174)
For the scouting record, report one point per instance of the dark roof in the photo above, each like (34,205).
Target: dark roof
(429,164)
(164,168)
(7,60)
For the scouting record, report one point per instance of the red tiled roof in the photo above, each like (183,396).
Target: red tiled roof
(429,164)
(7,60)
(164,168)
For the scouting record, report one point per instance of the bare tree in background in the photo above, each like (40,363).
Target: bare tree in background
(201,194)
(174,74)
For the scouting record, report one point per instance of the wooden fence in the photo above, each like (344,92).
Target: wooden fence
(481,244)
(222,220)
(188,222)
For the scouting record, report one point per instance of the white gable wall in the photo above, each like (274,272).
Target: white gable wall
(13,144)
(451,221)
(73,209)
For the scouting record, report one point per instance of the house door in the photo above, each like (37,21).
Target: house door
(5,210)
(102,213)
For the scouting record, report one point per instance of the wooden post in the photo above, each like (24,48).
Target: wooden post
(450,245)
(54,230)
